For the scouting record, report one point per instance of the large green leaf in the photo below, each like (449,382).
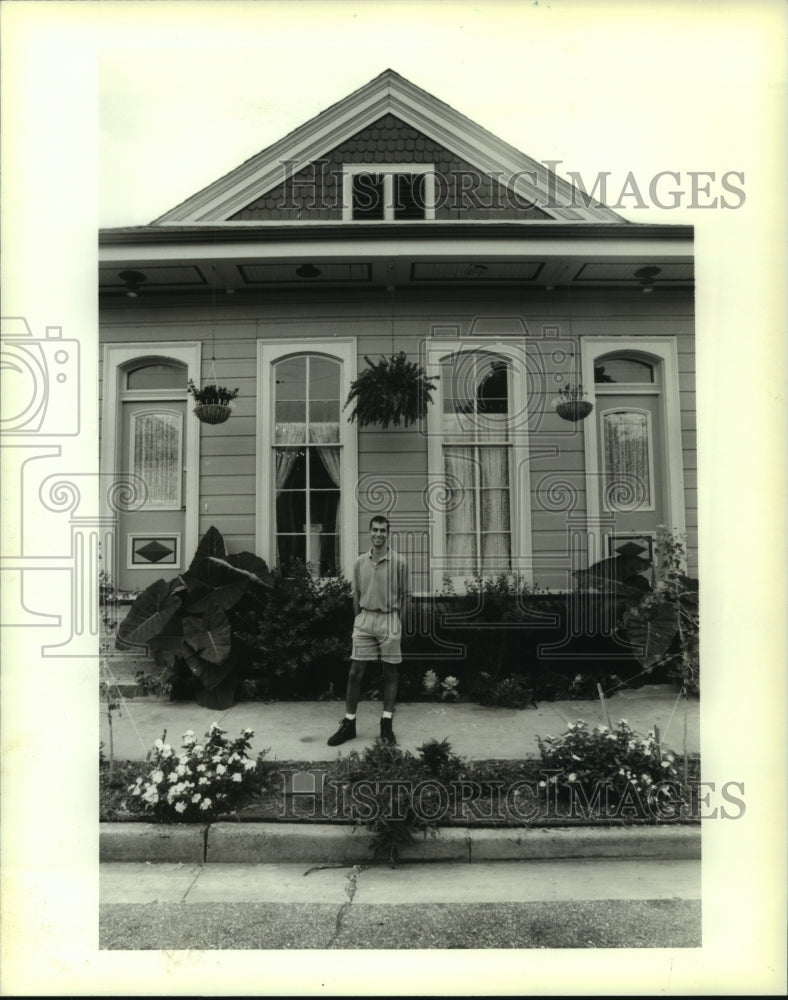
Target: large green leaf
(211,544)
(150,613)
(209,674)
(216,573)
(252,564)
(209,635)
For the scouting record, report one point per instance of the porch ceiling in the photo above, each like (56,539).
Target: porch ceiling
(175,260)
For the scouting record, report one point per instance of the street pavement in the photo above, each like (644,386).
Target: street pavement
(566,904)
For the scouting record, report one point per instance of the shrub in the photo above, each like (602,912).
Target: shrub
(391,774)
(299,642)
(619,759)
(440,762)
(511,692)
(201,782)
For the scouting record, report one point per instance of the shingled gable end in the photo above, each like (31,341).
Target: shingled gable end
(388,121)
(391,222)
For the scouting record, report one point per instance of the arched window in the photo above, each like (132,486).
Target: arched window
(306,455)
(476,425)
(307,461)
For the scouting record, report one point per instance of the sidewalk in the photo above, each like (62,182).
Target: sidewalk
(299,730)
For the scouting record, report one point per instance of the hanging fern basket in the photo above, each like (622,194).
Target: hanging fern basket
(574,409)
(390,392)
(212,413)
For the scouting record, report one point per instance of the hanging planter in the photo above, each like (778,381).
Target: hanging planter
(572,406)
(390,391)
(213,402)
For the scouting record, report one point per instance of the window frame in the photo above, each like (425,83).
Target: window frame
(388,170)
(518,445)
(269,352)
(115,361)
(662,352)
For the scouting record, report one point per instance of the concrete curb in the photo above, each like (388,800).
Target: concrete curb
(269,843)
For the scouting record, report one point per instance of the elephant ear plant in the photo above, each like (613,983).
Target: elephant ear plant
(191,620)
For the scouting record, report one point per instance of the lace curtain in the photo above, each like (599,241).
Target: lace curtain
(157,448)
(481,501)
(626,460)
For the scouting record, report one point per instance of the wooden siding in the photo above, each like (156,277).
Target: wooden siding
(398,457)
(317,193)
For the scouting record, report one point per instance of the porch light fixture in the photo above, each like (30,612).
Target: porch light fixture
(308,271)
(646,276)
(132,280)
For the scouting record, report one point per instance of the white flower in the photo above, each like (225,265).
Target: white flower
(248,765)
(200,768)
(198,748)
(157,776)
(572,777)
(196,797)
(247,732)
(205,804)
(158,745)
(543,784)
(237,777)
(172,777)
(621,770)
(203,781)
(665,763)
(180,807)
(220,769)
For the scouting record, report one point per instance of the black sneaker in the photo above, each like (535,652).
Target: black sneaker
(346,731)
(387,732)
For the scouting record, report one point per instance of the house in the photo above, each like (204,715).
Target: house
(388,223)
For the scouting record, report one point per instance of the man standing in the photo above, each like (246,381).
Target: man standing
(380,592)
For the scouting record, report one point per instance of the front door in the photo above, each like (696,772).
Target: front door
(153,446)
(632,482)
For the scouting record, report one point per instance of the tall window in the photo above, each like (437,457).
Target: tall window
(476,462)
(307,461)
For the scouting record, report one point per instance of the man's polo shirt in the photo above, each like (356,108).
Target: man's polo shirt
(380,585)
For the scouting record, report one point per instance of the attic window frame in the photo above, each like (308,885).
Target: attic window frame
(388,170)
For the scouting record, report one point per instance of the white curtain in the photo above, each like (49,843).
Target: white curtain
(626,460)
(292,434)
(461,515)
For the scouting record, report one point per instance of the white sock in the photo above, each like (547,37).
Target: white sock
(388,715)
(351,717)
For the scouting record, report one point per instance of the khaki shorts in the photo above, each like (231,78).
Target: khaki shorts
(377,633)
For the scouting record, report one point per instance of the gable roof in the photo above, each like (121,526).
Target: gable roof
(387,94)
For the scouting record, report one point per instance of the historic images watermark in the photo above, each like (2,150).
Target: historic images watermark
(494,801)
(314,186)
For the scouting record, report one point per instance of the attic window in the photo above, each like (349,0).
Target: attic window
(388,192)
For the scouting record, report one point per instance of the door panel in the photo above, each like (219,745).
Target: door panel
(632,455)
(153,445)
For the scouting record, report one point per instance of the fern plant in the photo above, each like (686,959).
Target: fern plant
(392,390)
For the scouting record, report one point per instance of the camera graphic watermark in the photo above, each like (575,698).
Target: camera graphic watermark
(40,381)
